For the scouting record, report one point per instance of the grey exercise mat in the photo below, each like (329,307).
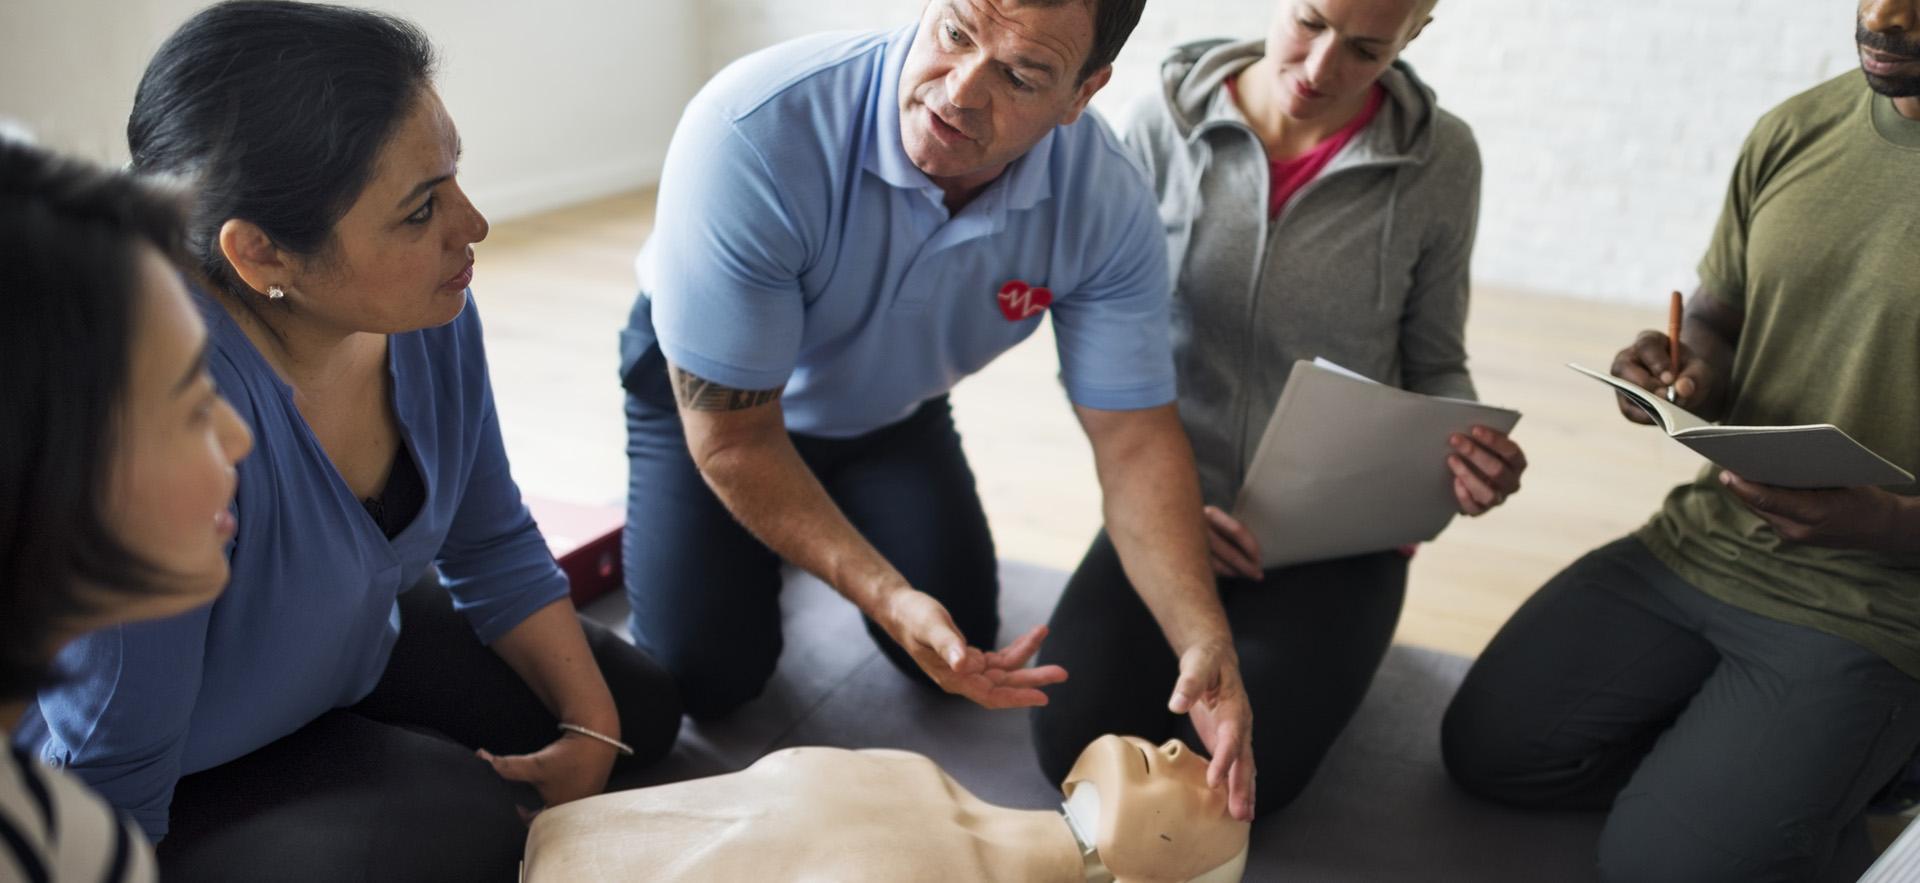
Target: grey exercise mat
(1381,807)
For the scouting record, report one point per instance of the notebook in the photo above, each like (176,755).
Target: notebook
(1815,456)
(1348,465)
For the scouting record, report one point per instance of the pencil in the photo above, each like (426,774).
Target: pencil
(1673,345)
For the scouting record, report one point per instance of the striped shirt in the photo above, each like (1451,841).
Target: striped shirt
(1901,861)
(53,829)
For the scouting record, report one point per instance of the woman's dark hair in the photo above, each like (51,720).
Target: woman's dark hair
(274,112)
(72,236)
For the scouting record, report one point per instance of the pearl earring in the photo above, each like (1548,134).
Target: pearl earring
(275,292)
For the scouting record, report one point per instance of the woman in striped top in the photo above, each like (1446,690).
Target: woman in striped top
(117,473)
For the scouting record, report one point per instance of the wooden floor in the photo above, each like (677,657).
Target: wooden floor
(555,290)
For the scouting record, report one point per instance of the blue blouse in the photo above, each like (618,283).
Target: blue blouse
(309,619)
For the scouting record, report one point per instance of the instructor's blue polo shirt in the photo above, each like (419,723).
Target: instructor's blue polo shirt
(796,245)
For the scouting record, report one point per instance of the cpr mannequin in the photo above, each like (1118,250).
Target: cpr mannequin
(1145,814)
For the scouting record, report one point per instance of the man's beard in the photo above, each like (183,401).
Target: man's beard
(1892,87)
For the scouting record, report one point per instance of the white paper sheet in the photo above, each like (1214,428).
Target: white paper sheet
(1348,466)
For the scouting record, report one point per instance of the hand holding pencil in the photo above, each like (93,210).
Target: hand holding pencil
(1662,364)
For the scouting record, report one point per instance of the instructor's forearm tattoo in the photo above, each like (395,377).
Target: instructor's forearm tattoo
(696,393)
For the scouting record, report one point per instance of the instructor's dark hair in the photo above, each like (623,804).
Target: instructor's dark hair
(1113,23)
(275,112)
(72,235)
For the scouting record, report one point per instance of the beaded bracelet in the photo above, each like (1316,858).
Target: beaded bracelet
(623,747)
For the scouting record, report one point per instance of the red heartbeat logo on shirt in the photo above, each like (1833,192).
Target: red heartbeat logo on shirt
(1020,301)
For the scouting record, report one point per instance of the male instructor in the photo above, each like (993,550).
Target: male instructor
(847,225)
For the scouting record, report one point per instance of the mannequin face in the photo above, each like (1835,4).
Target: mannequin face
(1158,818)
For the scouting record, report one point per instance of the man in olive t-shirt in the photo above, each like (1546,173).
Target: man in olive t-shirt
(1735,680)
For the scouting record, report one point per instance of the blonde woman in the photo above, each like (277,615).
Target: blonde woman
(1318,202)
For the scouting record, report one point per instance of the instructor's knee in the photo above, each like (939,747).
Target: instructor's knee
(646,696)
(708,696)
(712,680)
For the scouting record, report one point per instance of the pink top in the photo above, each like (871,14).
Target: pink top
(1287,176)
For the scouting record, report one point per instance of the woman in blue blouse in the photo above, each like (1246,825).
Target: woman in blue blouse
(321,719)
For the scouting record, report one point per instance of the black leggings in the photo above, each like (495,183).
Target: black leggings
(390,789)
(1309,637)
(1724,745)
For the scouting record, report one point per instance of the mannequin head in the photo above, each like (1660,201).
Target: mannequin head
(1158,821)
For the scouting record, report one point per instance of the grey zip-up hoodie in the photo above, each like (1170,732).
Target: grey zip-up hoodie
(1366,266)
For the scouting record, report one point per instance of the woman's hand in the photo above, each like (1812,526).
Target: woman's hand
(1236,551)
(1486,467)
(549,651)
(569,768)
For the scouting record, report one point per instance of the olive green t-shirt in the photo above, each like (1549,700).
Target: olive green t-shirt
(1819,246)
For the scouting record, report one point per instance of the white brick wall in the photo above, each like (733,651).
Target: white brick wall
(1608,129)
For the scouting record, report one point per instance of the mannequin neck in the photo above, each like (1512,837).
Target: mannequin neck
(1081,810)
(1082,813)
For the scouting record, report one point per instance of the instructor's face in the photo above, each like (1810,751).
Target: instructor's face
(987,79)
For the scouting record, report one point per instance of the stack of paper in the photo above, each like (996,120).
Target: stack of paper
(1349,465)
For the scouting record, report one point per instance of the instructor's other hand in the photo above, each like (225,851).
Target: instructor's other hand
(999,679)
(1209,690)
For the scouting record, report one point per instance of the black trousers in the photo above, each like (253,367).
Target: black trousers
(390,789)
(1310,638)
(1723,744)
(705,593)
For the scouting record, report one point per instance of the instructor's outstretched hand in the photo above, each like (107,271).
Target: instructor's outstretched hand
(998,679)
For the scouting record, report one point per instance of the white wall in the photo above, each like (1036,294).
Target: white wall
(1608,129)
(68,69)
(562,100)
(556,102)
